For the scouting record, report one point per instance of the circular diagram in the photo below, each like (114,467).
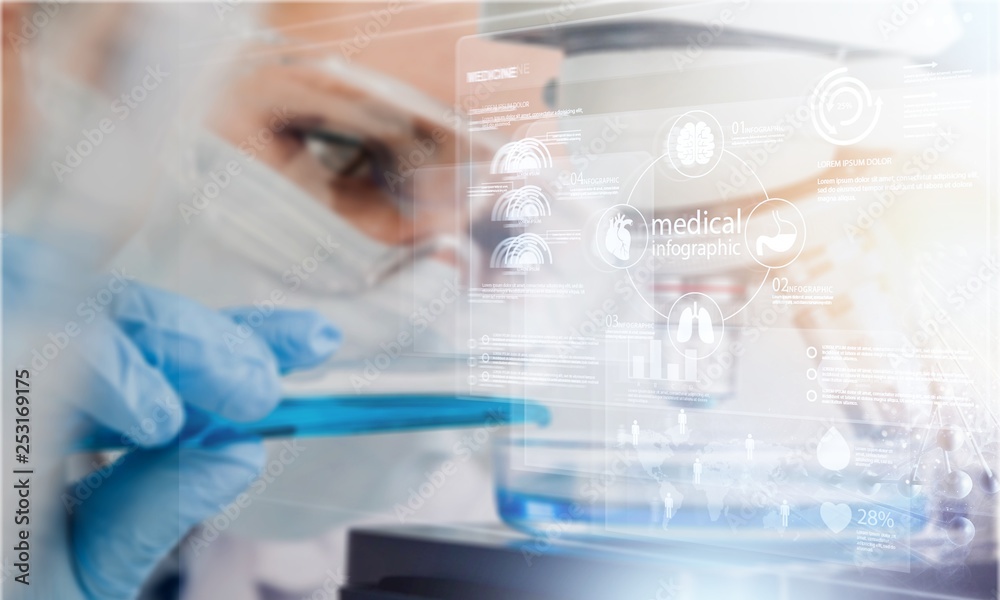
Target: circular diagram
(775,233)
(844,111)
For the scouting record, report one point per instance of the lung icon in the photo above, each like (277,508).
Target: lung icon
(618,240)
(705,331)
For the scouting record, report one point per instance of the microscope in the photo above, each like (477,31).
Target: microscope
(752,230)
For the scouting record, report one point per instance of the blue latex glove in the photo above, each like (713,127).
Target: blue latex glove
(157,354)
(155,366)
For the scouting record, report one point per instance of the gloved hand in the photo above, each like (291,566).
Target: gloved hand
(156,367)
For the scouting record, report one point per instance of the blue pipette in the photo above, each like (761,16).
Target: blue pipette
(339,415)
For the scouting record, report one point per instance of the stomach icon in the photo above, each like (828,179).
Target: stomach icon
(780,242)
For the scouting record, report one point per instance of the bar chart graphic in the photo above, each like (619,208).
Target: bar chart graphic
(646,362)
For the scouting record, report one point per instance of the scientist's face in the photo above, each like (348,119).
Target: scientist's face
(414,44)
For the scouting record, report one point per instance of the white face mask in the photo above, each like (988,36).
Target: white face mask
(242,234)
(233,232)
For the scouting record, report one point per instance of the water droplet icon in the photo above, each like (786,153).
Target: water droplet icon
(833,451)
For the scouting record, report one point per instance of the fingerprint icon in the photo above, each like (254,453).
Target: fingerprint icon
(523,203)
(521,156)
(524,252)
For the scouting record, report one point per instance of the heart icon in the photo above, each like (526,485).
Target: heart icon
(618,240)
(836,516)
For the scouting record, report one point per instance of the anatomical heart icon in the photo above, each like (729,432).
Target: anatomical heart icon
(618,240)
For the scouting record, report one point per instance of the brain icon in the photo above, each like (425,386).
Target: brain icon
(695,144)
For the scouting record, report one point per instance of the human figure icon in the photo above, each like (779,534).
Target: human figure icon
(668,507)
(682,420)
(635,433)
(785,511)
(697,471)
(749,446)
(622,437)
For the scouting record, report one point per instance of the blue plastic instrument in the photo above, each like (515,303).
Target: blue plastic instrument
(323,416)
